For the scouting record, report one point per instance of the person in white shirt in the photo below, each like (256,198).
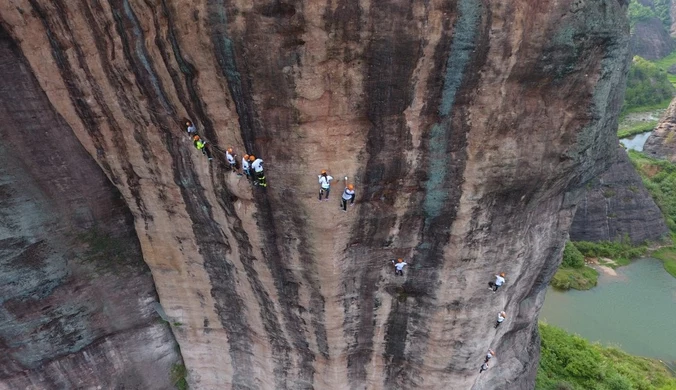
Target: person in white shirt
(348,194)
(257,166)
(484,367)
(245,166)
(499,281)
(489,355)
(324,184)
(190,128)
(230,156)
(399,267)
(501,317)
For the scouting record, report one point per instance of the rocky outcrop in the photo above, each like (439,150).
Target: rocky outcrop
(617,205)
(651,40)
(468,128)
(75,295)
(662,142)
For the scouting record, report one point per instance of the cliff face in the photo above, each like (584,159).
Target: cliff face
(616,205)
(651,40)
(466,126)
(75,295)
(661,143)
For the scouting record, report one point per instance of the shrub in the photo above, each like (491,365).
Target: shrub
(638,12)
(178,374)
(621,251)
(582,278)
(647,85)
(572,257)
(569,362)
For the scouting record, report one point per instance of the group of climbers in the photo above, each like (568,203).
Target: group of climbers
(325,188)
(249,162)
(489,355)
(493,286)
(200,144)
(399,265)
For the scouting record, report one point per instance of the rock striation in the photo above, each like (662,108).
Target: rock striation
(661,143)
(76,298)
(468,127)
(617,205)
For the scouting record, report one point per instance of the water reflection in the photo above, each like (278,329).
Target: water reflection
(635,311)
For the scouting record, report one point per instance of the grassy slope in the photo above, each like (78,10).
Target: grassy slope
(668,257)
(569,362)
(582,278)
(659,177)
(628,131)
(665,63)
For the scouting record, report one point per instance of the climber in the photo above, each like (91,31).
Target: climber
(499,281)
(257,166)
(484,367)
(230,156)
(202,146)
(501,317)
(399,267)
(245,166)
(348,194)
(489,355)
(324,184)
(190,128)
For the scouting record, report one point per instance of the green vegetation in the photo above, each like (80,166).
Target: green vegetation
(572,257)
(569,362)
(647,86)
(660,9)
(636,129)
(178,374)
(582,278)
(573,272)
(661,106)
(621,251)
(666,63)
(659,177)
(638,13)
(668,257)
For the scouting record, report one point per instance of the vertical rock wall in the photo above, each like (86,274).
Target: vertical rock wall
(466,126)
(661,143)
(617,206)
(76,299)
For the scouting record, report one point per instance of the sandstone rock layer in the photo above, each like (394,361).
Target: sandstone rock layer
(651,40)
(466,126)
(76,298)
(616,206)
(662,142)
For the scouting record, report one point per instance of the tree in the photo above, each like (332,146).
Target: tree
(572,257)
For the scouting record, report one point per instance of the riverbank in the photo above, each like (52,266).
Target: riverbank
(634,310)
(668,257)
(570,362)
(639,122)
(582,261)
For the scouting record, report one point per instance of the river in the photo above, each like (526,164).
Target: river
(635,310)
(636,142)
